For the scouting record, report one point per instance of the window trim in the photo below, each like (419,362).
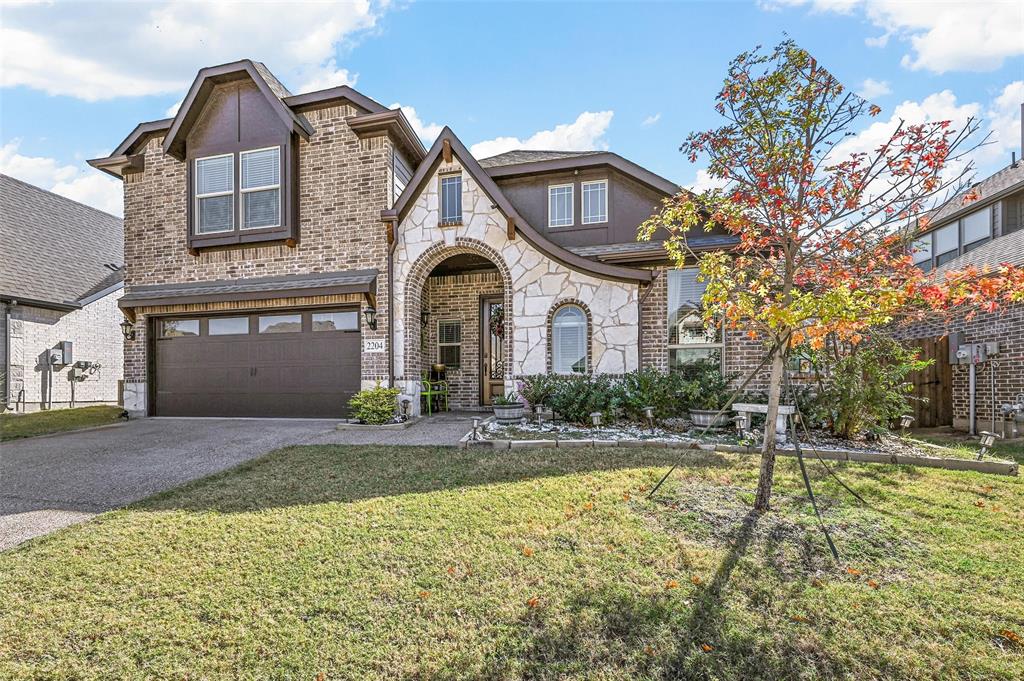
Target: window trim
(583,204)
(572,205)
(197,197)
(242,190)
(441,219)
(587,331)
(440,345)
(719,345)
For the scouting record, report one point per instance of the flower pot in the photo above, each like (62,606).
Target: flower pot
(706,417)
(508,414)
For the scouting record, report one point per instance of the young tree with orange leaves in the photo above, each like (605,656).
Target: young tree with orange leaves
(824,243)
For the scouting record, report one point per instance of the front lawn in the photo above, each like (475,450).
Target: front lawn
(375,562)
(14,426)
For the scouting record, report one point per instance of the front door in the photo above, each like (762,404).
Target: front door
(492,353)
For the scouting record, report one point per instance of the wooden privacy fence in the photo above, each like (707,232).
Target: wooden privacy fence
(933,386)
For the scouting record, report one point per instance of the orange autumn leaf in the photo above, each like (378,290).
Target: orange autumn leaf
(873,584)
(649,650)
(533,602)
(321,677)
(696,581)
(527,551)
(853,571)
(671,584)
(625,496)
(451,570)
(1011,636)
(589,506)
(642,488)
(424,595)
(799,618)
(979,503)
(986,489)
(706,648)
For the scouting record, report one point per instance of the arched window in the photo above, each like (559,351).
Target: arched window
(569,340)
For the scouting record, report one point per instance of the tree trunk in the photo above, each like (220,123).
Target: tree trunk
(764,482)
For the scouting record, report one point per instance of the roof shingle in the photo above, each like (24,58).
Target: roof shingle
(511,158)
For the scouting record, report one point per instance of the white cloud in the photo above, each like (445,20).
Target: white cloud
(705,181)
(962,35)
(651,120)
(584,134)
(427,132)
(872,88)
(81,184)
(172,110)
(1003,115)
(66,50)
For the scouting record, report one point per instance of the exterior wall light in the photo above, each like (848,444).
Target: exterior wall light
(127,330)
(424,316)
(371,317)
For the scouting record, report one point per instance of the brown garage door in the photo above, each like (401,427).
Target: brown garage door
(274,364)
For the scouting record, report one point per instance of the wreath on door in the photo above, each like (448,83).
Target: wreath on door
(498,321)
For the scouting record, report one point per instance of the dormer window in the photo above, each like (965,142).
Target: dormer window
(261,188)
(215,195)
(595,202)
(560,205)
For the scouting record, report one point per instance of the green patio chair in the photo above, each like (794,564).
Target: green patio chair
(431,390)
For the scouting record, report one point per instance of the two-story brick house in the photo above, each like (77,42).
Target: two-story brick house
(283,251)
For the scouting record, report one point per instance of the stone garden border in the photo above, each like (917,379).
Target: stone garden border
(992,467)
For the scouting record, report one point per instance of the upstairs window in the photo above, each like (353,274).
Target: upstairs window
(451,200)
(215,194)
(946,243)
(261,188)
(595,202)
(977,228)
(922,252)
(560,205)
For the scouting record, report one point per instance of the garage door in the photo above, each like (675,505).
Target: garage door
(274,364)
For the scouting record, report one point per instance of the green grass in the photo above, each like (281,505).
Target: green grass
(963,446)
(14,426)
(375,562)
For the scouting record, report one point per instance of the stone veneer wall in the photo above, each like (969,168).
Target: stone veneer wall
(537,282)
(344,182)
(457,297)
(95,336)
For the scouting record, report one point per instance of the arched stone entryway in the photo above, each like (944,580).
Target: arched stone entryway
(457,297)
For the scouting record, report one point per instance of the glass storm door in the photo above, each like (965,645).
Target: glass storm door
(492,353)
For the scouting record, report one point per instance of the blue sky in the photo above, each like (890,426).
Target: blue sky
(631,77)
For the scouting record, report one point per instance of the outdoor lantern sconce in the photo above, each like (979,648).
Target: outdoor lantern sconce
(371,317)
(987,440)
(596,418)
(424,317)
(127,330)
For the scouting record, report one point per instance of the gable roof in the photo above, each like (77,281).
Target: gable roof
(571,260)
(526,162)
(192,106)
(55,251)
(992,188)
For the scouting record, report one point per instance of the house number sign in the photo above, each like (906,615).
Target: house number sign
(373,345)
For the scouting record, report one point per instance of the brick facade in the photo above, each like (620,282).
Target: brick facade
(457,297)
(344,183)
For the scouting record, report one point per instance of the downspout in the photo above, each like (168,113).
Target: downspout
(391,304)
(7,352)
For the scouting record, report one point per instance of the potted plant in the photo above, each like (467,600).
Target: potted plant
(508,409)
(705,393)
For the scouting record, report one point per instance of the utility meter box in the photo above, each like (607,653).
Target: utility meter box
(972,353)
(956,339)
(66,355)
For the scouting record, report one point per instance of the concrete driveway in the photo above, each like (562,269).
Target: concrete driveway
(51,482)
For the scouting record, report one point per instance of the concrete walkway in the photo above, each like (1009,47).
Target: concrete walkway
(48,483)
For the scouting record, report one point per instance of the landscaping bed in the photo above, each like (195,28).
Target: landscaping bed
(378,562)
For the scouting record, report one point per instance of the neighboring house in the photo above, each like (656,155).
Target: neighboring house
(283,251)
(983,227)
(60,278)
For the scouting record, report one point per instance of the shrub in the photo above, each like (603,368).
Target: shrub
(537,389)
(576,396)
(705,386)
(375,406)
(650,388)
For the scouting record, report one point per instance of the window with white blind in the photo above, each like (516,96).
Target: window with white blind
(560,212)
(595,201)
(689,339)
(946,243)
(261,188)
(215,194)
(569,340)
(977,227)
(451,200)
(449,344)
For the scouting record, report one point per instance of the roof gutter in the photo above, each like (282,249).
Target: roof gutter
(35,302)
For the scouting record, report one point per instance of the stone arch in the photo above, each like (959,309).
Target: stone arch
(415,283)
(549,328)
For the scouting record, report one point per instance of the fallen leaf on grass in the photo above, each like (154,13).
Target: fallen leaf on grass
(533,602)
(979,503)
(986,489)
(799,618)
(589,506)
(873,584)
(625,496)
(697,581)
(649,650)
(1011,636)
(527,551)
(451,570)
(642,488)
(671,584)
(321,677)
(853,571)
(706,648)
(424,595)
